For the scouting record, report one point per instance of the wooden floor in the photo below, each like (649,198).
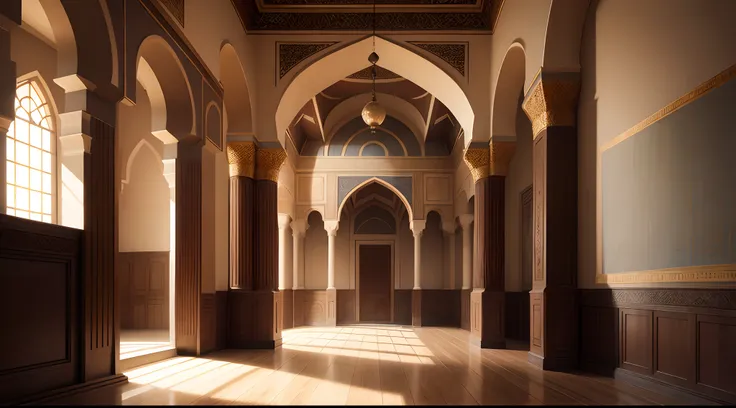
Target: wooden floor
(364,365)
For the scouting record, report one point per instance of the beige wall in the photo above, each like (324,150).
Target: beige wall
(144,196)
(433,254)
(405,253)
(315,254)
(32,54)
(518,179)
(668,48)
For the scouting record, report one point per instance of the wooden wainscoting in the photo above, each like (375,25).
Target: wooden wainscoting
(144,290)
(517,316)
(441,307)
(402,306)
(310,307)
(679,337)
(221,319)
(346,306)
(287,302)
(40,320)
(208,323)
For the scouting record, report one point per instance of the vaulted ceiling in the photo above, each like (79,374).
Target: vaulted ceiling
(413,108)
(352,15)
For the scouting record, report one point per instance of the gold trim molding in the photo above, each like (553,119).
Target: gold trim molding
(478,160)
(702,89)
(241,159)
(268,163)
(552,100)
(501,154)
(689,274)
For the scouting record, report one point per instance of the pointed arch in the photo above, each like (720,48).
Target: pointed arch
(508,90)
(237,102)
(382,182)
(352,58)
(564,35)
(168,72)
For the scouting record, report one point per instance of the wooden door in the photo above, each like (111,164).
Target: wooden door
(374,283)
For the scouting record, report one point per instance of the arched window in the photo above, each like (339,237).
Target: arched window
(30,153)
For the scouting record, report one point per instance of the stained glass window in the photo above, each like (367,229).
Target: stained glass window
(30,154)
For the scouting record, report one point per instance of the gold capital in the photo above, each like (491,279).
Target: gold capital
(241,156)
(501,154)
(478,160)
(552,100)
(268,163)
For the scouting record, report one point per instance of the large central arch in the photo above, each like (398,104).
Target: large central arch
(352,58)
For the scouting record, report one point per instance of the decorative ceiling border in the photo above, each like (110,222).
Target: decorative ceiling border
(483,19)
(290,54)
(454,54)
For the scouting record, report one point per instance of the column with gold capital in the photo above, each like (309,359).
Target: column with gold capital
(265,269)
(551,105)
(489,166)
(241,157)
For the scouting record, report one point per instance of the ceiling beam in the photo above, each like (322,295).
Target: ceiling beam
(429,118)
(319,118)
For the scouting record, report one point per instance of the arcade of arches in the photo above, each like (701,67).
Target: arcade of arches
(189,183)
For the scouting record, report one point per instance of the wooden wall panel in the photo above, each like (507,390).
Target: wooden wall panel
(673,346)
(143,279)
(39,289)
(599,339)
(310,307)
(402,306)
(682,337)
(517,315)
(636,340)
(287,301)
(208,323)
(346,306)
(716,355)
(221,319)
(441,307)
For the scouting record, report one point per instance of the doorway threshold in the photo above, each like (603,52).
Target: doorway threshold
(146,355)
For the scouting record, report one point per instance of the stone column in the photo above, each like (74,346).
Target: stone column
(254,302)
(331,227)
(284,221)
(7,107)
(489,165)
(417,228)
(551,105)
(298,231)
(241,157)
(466,221)
(448,232)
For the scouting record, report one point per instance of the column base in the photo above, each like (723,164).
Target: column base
(416,308)
(554,328)
(331,307)
(487,318)
(255,319)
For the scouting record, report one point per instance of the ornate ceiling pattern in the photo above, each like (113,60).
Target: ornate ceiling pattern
(291,54)
(437,129)
(356,15)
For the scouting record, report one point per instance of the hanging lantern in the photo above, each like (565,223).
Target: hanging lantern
(373,114)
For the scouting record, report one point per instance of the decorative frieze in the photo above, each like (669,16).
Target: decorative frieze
(291,54)
(454,54)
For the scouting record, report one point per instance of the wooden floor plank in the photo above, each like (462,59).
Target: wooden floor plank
(365,365)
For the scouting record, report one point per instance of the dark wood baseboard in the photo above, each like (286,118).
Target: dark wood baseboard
(72,389)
